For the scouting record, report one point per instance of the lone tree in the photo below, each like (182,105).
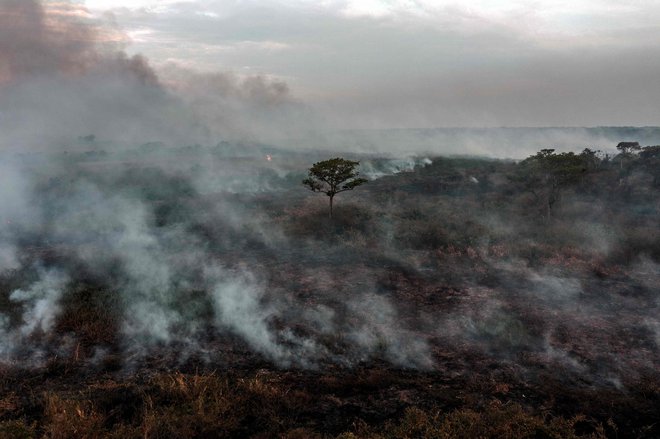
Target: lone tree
(334,176)
(627,150)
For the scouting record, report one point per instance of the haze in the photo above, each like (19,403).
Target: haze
(174,262)
(386,64)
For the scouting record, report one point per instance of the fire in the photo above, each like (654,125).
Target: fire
(269,157)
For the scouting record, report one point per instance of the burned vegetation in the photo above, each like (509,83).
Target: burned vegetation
(188,293)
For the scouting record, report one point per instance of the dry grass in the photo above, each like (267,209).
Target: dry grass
(69,418)
(263,405)
(497,420)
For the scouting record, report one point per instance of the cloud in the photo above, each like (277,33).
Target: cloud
(426,64)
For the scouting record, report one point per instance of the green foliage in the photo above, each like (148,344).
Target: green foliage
(546,174)
(628,147)
(556,169)
(334,176)
(590,159)
(649,157)
(650,152)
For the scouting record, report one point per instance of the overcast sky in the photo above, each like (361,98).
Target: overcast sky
(421,63)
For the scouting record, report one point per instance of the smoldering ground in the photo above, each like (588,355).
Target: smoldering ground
(127,264)
(169,264)
(162,247)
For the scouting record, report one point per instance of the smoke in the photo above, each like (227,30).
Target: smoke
(16,210)
(379,330)
(166,279)
(373,170)
(238,107)
(240,307)
(560,315)
(40,302)
(35,41)
(39,307)
(185,247)
(64,74)
(495,142)
(61,40)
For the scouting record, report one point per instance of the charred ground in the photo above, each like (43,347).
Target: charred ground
(186,293)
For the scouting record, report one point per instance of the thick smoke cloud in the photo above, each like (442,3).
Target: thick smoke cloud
(64,77)
(239,107)
(63,74)
(60,40)
(36,42)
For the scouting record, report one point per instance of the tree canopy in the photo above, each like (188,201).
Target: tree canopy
(334,176)
(546,173)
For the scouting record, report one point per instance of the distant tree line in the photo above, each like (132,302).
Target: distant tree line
(548,174)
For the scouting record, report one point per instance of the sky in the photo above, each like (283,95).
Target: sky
(421,63)
(418,63)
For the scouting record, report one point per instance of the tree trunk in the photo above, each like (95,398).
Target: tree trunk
(331,206)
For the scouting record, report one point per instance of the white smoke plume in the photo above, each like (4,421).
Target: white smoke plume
(39,307)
